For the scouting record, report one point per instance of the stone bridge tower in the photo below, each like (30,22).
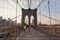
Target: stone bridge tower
(29,12)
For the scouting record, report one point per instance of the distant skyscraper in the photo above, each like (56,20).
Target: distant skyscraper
(9,21)
(1,20)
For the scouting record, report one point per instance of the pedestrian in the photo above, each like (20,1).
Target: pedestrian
(24,26)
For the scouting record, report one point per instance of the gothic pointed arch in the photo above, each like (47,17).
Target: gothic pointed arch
(29,12)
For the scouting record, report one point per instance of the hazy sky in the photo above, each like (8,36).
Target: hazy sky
(8,8)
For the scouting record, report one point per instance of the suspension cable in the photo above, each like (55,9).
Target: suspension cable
(16,10)
(49,11)
(29,4)
(9,3)
(7,7)
(3,9)
(40,17)
(21,2)
(55,11)
(40,3)
(49,17)
(16,17)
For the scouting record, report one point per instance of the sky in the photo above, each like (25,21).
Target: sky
(8,9)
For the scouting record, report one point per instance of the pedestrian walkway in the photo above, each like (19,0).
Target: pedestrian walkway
(33,34)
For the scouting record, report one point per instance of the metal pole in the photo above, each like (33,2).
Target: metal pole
(49,11)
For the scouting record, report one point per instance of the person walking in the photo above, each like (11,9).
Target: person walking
(24,26)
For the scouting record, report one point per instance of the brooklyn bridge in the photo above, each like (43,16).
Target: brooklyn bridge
(29,19)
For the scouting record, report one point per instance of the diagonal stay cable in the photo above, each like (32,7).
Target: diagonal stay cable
(21,2)
(16,17)
(49,17)
(41,3)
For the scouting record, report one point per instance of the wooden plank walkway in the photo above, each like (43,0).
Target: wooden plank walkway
(33,34)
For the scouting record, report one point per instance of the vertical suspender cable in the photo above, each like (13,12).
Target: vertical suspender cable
(3,9)
(55,11)
(49,11)
(16,10)
(7,7)
(28,4)
(16,14)
(7,10)
(40,17)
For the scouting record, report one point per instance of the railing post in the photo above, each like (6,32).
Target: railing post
(53,30)
(59,22)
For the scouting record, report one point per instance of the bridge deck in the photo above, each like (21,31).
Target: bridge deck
(33,34)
